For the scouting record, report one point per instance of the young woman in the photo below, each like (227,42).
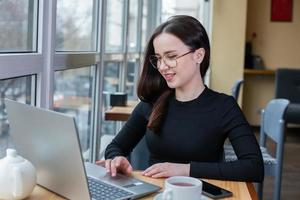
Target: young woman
(184,121)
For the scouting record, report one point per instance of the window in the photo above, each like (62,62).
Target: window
(66,73)
(111,85)
(144,25)
(131,79)
(133,25)
(73,95)
(19,89)
(180,7)
(114,26)
(18,30)
(76,25)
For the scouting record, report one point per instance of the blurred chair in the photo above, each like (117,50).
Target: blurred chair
(235,90)
(139,157)
(287,86)
(105,140)
(273,126)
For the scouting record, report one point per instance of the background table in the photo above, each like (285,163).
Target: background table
(120,113)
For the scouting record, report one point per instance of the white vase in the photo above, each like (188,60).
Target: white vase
(17,176)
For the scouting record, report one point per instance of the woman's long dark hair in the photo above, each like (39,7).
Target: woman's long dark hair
(152,87)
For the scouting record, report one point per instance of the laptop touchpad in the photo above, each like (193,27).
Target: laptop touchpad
(120,180)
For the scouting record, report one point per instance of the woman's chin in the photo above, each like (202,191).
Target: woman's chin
(171,85)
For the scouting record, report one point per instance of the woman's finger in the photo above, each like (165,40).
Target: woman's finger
(101,162)
(154,170)
(118,161)
(123,165)
(126,167)
(162,174)
(146,171)
(151,168)
(113,168)
(107,165)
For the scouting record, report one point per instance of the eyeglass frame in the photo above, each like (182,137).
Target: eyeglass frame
(163,59)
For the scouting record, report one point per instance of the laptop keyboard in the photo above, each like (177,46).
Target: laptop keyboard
(103,191)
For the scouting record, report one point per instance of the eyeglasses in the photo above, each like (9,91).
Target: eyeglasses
(169,60)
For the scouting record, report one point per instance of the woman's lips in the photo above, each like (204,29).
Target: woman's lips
(169,76)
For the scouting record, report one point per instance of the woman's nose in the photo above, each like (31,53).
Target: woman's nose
(163,65)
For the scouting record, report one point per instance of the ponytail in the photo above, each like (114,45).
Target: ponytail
(159,111)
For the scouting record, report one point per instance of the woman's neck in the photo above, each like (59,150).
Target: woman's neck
(188,94)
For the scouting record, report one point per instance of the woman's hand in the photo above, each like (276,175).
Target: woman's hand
(118,164)
(163,170)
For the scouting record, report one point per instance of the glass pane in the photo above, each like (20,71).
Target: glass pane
(18,26)
(19,89)
(133,22)
(180,7)
(110,85)
(111,76)
(73,95)
(76,25)
(144,24)
(114,26)
(132,74)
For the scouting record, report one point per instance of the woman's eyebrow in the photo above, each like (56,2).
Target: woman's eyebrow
(166,52)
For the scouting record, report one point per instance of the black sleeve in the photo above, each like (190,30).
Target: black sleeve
(131,133)
(249,166)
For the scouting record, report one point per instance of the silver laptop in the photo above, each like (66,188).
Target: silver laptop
(50,141)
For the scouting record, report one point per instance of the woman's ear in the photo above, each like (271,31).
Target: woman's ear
(199,55)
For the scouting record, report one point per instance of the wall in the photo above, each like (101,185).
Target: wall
(275,41)
(277,44)
(227,46)
(258,91)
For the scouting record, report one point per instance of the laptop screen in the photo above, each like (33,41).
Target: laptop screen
(50,141)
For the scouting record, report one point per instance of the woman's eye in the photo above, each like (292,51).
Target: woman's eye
(171,56)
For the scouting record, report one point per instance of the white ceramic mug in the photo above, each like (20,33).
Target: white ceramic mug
(182,187)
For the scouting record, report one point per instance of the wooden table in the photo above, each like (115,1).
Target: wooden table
(120,113)
(240,190)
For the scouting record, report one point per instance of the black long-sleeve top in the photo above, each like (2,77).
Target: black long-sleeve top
(194,132)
